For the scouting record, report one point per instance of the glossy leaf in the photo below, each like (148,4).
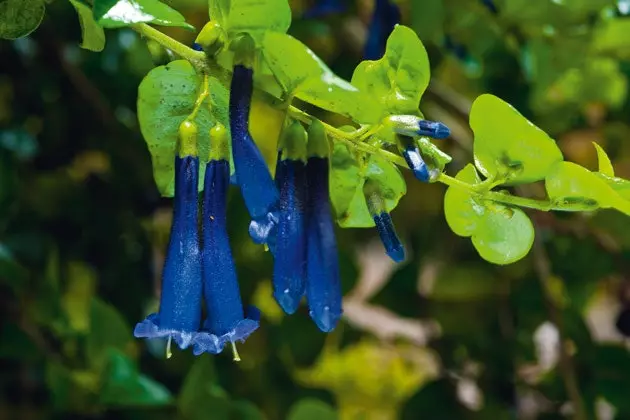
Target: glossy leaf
(604,164)
(311,409)
(93,34)
(507,145)
(348,174)
(500,234)
(19,18)
(119,13)
(571,184)
(166,97)
(253,17)
(399,79)
(312,81)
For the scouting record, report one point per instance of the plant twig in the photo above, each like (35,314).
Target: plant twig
(567,368)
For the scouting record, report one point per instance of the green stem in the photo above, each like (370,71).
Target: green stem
(196,58)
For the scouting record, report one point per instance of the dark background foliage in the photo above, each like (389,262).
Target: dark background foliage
(444,335)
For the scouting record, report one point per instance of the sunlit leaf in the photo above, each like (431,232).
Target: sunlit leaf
(573,185)
(312,81)
(500,234)
(119,13)
(507,145)
(605,166)
(399,79)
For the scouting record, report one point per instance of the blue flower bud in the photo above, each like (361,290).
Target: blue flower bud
(289,273)
(257,186)
(385,17)
(197,47)
(412,155)
(180,302)
(393,247)
(411,125)
(225,321)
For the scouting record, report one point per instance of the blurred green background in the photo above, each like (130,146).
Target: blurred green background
(444,335)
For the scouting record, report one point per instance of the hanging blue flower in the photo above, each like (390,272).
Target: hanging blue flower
(323,285)
(225,322)
(393,247)
(252,174)
(322,8)
(289,272)
(385,17)
(179,315)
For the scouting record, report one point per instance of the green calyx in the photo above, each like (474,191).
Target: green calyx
(373,199)
(317,140)
(212,38)
(292,142)
(187,144)
(244,48)
(219,143)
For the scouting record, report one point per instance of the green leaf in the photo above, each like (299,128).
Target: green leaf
(108,330)
(349,173)
(201,395)
(604,163)
(399,79)
(427,19)
(19,18)
(166,97)
(124,386)
(93,34)
(77,299)
(312,81)
(119,13)
(612,38)
(571,184)
(507,145)
(311,409)
(254,17)
(500,234)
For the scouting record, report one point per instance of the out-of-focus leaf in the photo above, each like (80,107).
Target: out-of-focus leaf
(19,18)
(611,38)
(77,298)
(311,409)
(124,386)
(119,13)
(108,330)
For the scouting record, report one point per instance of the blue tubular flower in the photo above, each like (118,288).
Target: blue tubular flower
(393,247)
(323,286)
(253,176)
(180,303)
(323,8)
(289,273)
(225,321)
(490,6)
(411,153)
(385,17)
(411,125)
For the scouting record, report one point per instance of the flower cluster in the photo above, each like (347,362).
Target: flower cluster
(194,268)
(290,213)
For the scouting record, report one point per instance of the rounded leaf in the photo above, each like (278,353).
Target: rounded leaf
(509,146)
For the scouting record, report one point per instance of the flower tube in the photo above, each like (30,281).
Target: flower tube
(323,286)
(289,273)
(179,315)
(252,174)
(225,321)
